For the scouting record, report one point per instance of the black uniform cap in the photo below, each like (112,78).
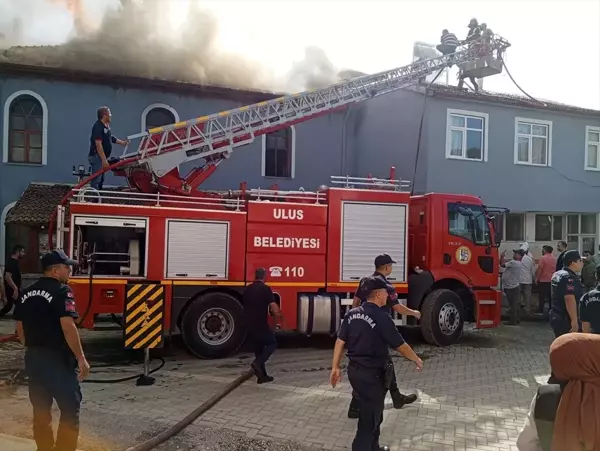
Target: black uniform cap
(56,257)
(382,260)
(571,257)
(375,283)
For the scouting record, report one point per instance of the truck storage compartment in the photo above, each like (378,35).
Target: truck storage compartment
(370,229)
(318,313)
(197,249)
(116,245)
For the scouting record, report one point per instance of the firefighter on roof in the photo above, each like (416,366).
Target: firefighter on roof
(368,331)
(383,268)
(54,360)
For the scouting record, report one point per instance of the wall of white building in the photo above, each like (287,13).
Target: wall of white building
(580,230)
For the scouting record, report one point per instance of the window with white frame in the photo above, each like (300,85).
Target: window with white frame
(279,153)
(514,229)
(25,127)
(592,148)
(158,115)
(549,227)
(466,135)
(533,142)
(581,232)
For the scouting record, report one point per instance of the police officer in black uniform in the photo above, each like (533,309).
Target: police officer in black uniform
(589,308)
(383,268)
(567,290)
(54,360)
(369,331)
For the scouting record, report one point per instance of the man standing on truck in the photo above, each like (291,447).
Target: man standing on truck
(258,301)
(383,268)
(101,142)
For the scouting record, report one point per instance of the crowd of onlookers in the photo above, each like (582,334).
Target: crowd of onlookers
(523,273)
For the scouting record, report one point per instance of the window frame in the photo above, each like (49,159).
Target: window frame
(6,137)
(533,122)
(591,129)
(553,216)
(466,114)
(292,156)
(157,105)
(523,222)
(472,223)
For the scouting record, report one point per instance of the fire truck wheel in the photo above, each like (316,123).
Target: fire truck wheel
(442,317)
(212,326)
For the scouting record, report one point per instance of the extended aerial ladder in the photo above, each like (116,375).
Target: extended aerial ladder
(154,166)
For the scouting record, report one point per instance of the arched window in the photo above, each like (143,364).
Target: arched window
(25,131)
(279,153)
(158,115)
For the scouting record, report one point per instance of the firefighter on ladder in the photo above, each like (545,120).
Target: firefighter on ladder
(383,268)
(474,42)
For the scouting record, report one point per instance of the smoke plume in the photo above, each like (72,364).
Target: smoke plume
(131,41)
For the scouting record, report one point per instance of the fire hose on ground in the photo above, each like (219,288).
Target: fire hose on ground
(192,416)
(20,378)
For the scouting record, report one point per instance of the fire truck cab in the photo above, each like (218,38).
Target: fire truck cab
(315,246)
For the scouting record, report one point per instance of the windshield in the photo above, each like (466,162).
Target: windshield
(469,222)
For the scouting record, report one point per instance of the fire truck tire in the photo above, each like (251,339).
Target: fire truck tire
(212,326)
(442,317)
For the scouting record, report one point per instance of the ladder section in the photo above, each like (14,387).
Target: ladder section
(221,132)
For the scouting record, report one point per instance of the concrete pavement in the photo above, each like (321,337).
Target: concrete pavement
(473,396)
(13,443)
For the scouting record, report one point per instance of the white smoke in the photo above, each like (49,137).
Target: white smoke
(131,40)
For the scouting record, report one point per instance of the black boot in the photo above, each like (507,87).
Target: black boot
(401,400)
(258,371)
(264,378)
(383,448)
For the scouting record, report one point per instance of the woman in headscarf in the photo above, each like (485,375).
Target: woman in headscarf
(566,417)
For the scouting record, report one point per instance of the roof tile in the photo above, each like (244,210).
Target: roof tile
(37,203)
(507,99)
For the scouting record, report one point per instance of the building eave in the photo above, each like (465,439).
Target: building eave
(454,93)
(121,81)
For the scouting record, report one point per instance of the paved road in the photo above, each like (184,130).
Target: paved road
(473,396)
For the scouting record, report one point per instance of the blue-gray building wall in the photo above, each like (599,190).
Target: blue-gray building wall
(385,133)
(565,186)
(369,138)
(71,114)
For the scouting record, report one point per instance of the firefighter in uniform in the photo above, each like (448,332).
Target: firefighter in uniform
(54,360)
(383,268)
(368,331)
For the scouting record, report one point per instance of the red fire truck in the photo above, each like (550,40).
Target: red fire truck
(201,248)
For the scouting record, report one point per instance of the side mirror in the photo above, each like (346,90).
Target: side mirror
(498,239)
